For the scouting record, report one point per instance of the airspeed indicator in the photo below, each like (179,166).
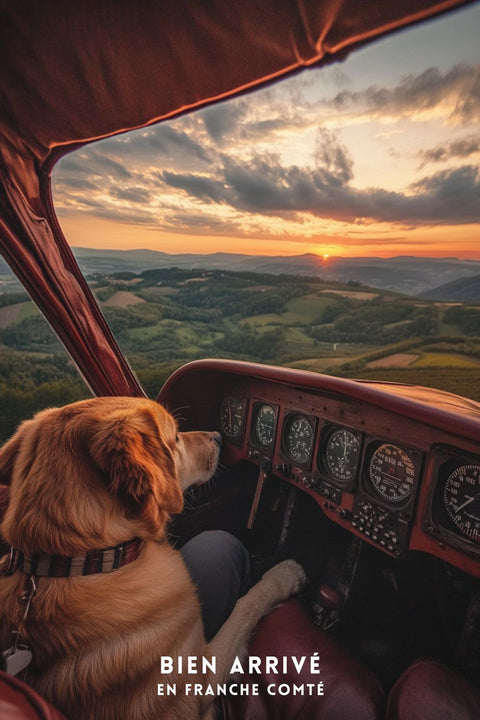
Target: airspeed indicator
(461,498)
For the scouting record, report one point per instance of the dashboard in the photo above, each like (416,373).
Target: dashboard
(400,472)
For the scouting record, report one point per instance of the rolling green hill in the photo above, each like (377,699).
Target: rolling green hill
(165,317)
(406,274)
(461,290)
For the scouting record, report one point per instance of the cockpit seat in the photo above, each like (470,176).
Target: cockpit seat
(350,689)
(19,702)
(429,690)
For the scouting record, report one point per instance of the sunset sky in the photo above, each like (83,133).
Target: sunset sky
(378,155)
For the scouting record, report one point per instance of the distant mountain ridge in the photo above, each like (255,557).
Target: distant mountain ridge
(404,274)
(465,290)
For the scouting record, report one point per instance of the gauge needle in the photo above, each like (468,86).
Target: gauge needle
(470,500)
(392,477)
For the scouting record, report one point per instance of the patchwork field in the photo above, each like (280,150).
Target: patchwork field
(164,318)
(320,364)
(10,314)
(462,381)
(123,298)
(399,360)
(353,294)
(446,360)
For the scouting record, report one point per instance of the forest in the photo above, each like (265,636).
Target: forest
(163,318)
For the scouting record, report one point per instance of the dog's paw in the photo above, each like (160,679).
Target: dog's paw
(288,577)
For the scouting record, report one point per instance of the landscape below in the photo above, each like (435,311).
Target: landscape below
(167,316)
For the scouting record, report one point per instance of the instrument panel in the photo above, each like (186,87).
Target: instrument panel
(395,465)
(378,476)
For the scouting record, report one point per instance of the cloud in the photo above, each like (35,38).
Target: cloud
(95,163)
(103,165)
(242,121)
(265,187)
(333,158)
(455,149)
(259,164)
(72,165)
(221,120)
(417,93)
(132,194)
(251,131)
(122,155)
(194,185)
(76,183)
(169,141)
(451,197)
(468,107)
(202,223)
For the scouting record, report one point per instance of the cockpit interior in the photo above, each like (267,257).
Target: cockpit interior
(372,487)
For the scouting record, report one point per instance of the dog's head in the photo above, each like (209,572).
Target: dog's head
(97,472)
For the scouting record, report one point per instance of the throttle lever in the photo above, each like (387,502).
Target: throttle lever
(264,472)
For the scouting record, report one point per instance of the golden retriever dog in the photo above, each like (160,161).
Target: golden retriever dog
(94,475)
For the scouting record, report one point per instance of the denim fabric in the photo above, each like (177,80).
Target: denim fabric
(220,568)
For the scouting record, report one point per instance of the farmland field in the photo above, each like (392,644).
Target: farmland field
(397,360)
(464,381)
(446,360)
(164,318)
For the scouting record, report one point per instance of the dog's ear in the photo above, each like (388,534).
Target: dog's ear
(138,465)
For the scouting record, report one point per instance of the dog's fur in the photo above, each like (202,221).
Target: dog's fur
(89,476)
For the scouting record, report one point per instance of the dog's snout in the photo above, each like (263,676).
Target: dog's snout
(217,438)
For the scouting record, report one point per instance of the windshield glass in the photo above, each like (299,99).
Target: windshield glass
(35,370)
(328,222)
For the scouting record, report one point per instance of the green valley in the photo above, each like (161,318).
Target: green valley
(165,317)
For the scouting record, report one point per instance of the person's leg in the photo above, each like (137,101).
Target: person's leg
(220,568)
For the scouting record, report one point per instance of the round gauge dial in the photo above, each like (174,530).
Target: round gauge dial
(232,411)
(461,497)
(342,451)
(391,473)
(299,437)
(265,424)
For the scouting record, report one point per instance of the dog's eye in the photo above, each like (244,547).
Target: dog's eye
(177,438)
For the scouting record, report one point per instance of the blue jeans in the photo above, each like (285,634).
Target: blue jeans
(219,566)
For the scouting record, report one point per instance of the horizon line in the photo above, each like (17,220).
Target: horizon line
(321,256)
